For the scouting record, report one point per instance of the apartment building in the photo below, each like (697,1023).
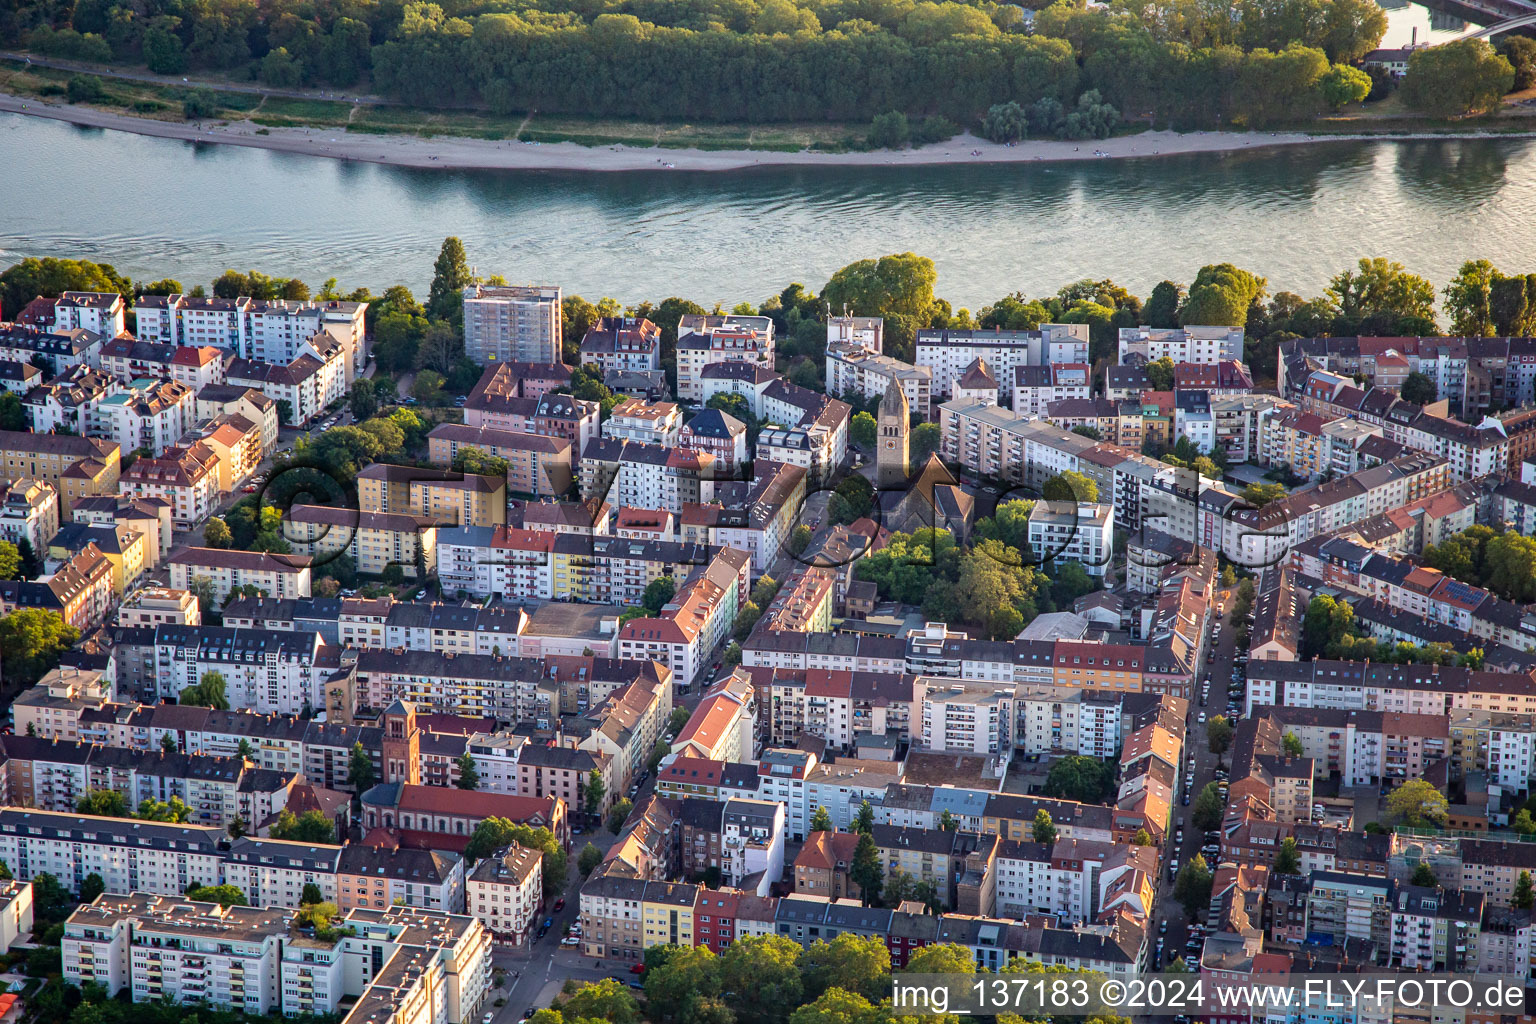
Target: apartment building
(853,369)
(79,592)
(63,349)
(720,435)
(536,465)
(301,388)
(1190,344)
(273,574)
(29,511)
(504,893)
(640,475)
(445,497)
(622,343)
(70,402)
(78,467)
(151,415)
(1066,531)
(98,312)
(634,419)
(705,340)
(400,965)
(374,540)
(218,400)
(129,359)
(519,323)
(388,875)
(185,477)
(948,353)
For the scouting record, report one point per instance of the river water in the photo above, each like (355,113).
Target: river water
(1297,215)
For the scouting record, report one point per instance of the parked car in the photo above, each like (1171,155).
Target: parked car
(559,904)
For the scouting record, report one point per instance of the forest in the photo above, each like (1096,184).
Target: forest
(1180,63)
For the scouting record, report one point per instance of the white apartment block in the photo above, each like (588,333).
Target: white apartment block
(512,324)
(947,353)
(635,419)
(853,369)
(1068,531)
(101,312)
(403,966)
(956,718)
(865,332)
(1080,722)
(29,511)
(705,340)
(314,379)
(1035,387)
(266,671)
(274,574)
(1190,344)
(151,415)
(268,330)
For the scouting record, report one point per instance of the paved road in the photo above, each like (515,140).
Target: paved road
(1219,669)
(217,85)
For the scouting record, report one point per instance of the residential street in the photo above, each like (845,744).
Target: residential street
(1219,670)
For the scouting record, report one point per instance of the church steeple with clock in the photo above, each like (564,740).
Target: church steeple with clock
(893,439)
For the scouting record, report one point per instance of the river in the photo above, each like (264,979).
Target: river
(157,208)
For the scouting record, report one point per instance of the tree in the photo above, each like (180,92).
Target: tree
(1380,296)
(867,872)
(1456,78)
(363,400)
(617,814)
(310,895)
(1141,838)
(225,895)
(864,821)
(312,827)
(107,803)
(450,276)
(91,886)
(1343,85)
(768,967)
(216,534)
(1524,824)
(10,561)
(208,693)
(1524,894)
(49,897)
(1078,777)
(1177,966)
(897,287)
(1043,829)
(360,774)
(605,999)
(821,821)
(1070,486)
(925,439)
(859,964)
(1424,875)
(1192,887)
(659,753)
(1416,803)
(1218,735)
(838,1006)
(1207,809)
(657,593)
(889,131)
(588,859)
(200,104)
(1220,296)
(172,811)
(1005,122)
(1419,389)
(594,791)
(1288,860)
(469,775)
(168,743)
(1291,744)
(31,643)
(1160,374)
(677,975)
(861,430)
(941,958)
(1259,495)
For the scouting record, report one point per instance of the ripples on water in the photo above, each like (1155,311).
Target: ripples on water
(1297,215)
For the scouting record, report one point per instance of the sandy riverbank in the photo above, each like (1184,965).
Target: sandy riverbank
(451,153)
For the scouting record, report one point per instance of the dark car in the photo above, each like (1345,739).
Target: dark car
(559,905)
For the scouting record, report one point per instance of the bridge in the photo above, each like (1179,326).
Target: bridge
(1489,17)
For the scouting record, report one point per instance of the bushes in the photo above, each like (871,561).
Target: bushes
(889,131)
(84,89)
(70,45)
(200,103)
(1006,122)
(1463,77)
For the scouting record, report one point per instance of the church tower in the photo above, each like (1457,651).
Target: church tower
(401,746)
(894,440)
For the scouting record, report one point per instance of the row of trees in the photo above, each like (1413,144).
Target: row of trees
(760,60)
(1330,630)
(1504,562)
